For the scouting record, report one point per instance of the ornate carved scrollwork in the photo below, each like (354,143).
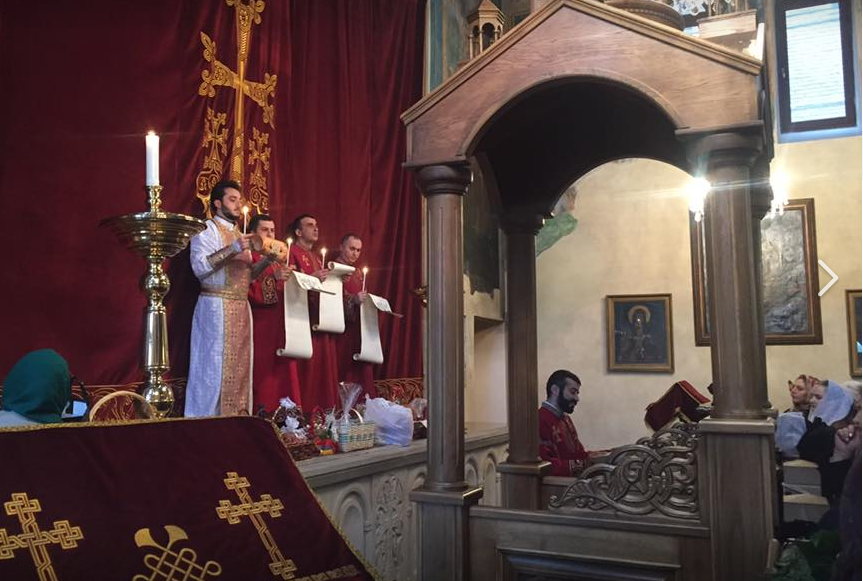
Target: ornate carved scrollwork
(657,473)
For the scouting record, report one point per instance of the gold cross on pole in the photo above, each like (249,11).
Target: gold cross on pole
(221,75)
(35,539)
(279,565)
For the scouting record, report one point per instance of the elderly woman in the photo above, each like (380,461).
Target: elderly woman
(37,390)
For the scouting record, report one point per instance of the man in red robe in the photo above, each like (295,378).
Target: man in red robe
(558,440)
(273,377)
(318,375)
(348,342)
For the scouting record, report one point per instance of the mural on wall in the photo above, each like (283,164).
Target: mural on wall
(639,333)
(789,269)
(480,231)
(561,224)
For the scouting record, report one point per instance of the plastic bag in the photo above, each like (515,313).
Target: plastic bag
(394,423)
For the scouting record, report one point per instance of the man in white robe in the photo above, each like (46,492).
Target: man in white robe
(220,366)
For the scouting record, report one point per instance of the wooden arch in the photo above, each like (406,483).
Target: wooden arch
(575,85)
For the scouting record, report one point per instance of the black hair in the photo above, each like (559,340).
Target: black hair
(348,236)
(297,224)
(559,378)
(257,219)
(218,191)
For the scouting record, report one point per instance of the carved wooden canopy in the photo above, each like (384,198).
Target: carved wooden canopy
(576,85)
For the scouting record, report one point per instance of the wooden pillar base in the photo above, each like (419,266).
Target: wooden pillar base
(740,477)
(521,483)
(445,538)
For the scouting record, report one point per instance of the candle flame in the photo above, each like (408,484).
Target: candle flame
(365,269)
(245,209)
(151,133)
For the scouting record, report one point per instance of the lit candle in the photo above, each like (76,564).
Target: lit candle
(245,218)
(323,257)
(365,271)
(290,241)
(152,174)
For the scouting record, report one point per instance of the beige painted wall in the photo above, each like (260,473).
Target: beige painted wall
(633,237)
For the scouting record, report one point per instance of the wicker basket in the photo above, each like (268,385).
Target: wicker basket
(299,449)
(360,435)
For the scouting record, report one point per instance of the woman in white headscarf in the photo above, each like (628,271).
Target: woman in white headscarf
(831,409)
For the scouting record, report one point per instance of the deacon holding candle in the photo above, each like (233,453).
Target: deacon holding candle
(220,378)
(319,375)
(274,377)
(348,343)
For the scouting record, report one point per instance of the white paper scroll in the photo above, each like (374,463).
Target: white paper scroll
(370,337)
(331,317)
(298,334)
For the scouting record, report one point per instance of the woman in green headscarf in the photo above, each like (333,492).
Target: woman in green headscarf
(37,390)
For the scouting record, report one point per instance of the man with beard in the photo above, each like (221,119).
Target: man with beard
(220,378)
(558,440)
(348,342)
(273,377)
(318,376)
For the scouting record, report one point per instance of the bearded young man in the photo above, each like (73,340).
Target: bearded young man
(220,378)
(558,440)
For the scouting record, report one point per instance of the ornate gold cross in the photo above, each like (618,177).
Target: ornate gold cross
(34,539)
(169,565)
(220,75)
(279,565)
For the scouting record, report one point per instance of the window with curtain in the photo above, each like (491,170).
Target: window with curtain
(815,58)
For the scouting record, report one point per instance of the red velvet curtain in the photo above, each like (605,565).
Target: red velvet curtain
(83,82)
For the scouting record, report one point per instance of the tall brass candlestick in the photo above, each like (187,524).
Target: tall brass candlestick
(157,236)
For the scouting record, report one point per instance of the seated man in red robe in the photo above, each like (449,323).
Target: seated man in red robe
(348,342)
(558,440)
(318,375)
(273,377)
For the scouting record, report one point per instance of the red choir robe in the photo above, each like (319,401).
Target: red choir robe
(318,375)
(559,443)
(273,377)
(348,343)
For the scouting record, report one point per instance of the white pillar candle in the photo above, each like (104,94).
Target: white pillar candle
(152,175)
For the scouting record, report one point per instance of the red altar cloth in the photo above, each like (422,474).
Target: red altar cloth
(219,497)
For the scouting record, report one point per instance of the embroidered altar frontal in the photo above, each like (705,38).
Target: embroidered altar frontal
(216,498)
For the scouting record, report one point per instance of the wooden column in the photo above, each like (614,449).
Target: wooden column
(523,470)
(445,498)
(737,438)
(759,197)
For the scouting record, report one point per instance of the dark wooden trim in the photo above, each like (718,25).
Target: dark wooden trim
(784,88)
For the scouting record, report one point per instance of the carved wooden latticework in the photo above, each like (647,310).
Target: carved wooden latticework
(656,474)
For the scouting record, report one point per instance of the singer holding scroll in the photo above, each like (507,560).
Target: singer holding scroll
(273,377)
(348,342)
(318,375)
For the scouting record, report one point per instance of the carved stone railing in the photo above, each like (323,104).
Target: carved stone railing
(656,474)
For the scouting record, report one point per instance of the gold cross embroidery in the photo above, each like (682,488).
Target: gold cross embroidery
(35,539)
(168,565)
(279,565)
(221,75)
